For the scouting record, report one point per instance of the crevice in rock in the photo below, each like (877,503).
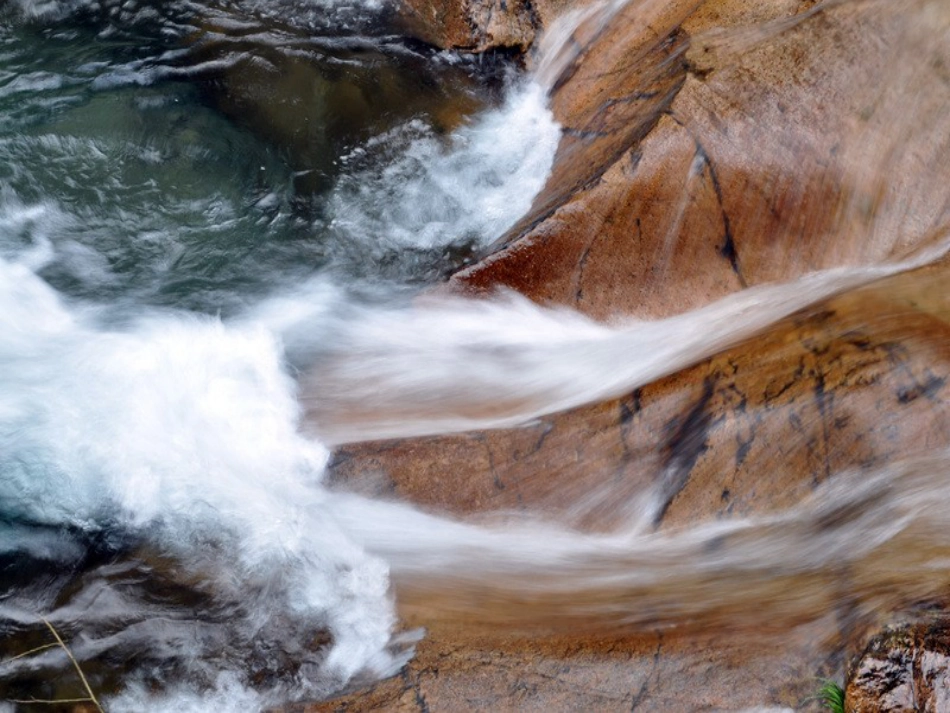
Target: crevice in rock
(688,442)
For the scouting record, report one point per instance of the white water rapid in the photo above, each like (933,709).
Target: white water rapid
(179,434)
(166,420)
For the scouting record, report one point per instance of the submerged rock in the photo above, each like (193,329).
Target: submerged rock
(317,97)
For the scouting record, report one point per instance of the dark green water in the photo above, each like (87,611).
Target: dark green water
(149,159)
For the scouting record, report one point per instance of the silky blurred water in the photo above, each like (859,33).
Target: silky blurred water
(206,283)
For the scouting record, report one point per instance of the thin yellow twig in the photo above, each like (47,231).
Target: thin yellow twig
(52,702)
(29,653)
(82,676)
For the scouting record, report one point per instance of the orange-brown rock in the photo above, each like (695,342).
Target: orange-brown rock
(708,146)
(713,148)
(458,671)
(479,25)
(857,381)
(470,24)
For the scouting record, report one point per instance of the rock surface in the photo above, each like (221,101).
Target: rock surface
(904,669)
(708,146)
(479,25)
(471,24)
(703,154)
(856,381)
(655,672)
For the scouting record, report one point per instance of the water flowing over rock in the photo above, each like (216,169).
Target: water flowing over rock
(708,147)
(479,25)
(690,456)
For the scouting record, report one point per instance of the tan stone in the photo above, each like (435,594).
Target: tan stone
(731,157)
(857,380)
(480,25)
(475,25)
(708,146)
(456,671)
(854,382)
(903,669)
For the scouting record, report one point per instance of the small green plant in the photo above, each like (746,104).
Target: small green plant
(831,696)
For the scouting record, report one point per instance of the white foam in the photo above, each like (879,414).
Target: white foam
(30,227)
(183,430)
(228,694)
(467,190)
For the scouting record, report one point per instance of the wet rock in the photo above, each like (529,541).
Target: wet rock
(707,147)
(316,97)
(472,24)
(884,677)
(710,149)
(906,668)
(481,25)
(156,621)
(856,381)
(657,672)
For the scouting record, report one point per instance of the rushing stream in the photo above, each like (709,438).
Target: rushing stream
(133,216)
(193,313)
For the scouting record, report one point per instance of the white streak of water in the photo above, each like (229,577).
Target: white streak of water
(451,365)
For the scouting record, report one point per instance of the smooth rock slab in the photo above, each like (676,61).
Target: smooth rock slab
(857,381)
(708,146)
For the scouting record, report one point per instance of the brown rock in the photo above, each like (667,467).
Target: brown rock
(700,158)
(708,146)
(457,671)
(856,380)
(481,25)
(475,25)
(906,668)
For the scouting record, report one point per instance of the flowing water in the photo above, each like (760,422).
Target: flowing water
(192,315)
